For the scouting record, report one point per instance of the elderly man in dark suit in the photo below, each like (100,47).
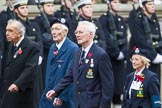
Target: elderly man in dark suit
(90,72)
(59,59)
(21,69)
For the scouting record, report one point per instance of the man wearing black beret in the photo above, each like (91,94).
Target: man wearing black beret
(59,59)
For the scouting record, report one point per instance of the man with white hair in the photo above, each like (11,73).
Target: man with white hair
(21,69)
(90,72)
(59,59)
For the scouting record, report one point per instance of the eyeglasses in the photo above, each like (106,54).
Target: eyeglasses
(79,32)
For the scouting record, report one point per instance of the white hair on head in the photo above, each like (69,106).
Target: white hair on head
(20,27)
(64,27)
(89,26)
(145,61)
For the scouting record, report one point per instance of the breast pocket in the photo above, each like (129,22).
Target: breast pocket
(60,63)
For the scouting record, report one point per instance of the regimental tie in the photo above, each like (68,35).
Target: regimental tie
(82,57)
(135,78)
(55,51)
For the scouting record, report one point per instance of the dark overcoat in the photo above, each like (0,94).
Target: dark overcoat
(21,69)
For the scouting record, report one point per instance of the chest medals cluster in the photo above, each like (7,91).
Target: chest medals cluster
(90,73)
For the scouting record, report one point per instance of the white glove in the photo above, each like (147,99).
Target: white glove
(40,60)
(120,56)
(158,59)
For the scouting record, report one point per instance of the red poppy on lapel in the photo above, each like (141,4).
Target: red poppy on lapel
(134,48)
(55,52)
(89,54)
(140,77)
(19,51)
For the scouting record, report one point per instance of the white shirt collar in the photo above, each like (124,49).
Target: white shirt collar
(139,73)
(18,43)
(60,44)
(87,49)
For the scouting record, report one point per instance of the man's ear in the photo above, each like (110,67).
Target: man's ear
(143,8)
(91,34)
(19,34)
(80,11)
(65,31)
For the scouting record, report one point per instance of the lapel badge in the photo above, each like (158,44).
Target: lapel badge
(18,52)
(92,63)
(90,74)
(55,52)
(140,93)
(86,61)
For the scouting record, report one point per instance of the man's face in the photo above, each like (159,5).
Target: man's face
(48,8)
(115,5)
(82,35)
(150,6)
(57,32)
(22,11)
(12,34)
(86,11)
(10,2)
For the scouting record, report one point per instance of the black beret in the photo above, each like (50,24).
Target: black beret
(140,51)
(61,21)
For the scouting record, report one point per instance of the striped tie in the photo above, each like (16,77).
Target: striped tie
(82,57)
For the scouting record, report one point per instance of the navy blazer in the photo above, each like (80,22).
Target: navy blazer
(149,88)
(93,81)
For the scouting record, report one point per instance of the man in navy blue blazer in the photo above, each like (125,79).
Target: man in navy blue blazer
(91,73)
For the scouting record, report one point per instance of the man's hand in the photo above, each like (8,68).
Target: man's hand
(13,88)
(57,102)
(50,94)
